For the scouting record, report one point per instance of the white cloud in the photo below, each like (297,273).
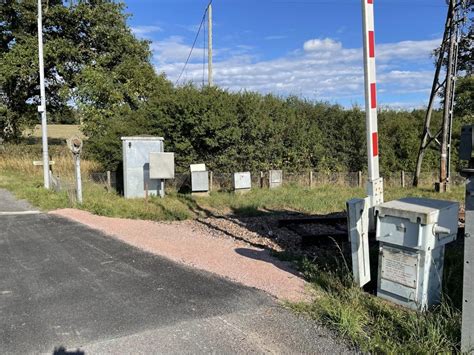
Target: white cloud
(317,45)
(145,31)
(407,49)
(173,50)
(321,69)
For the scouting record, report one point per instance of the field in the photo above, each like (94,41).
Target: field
(55,131)
(371,323)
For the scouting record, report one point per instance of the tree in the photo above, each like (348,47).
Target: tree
(92,63)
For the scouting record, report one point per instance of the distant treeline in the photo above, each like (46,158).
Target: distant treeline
(249,131)
(97,72)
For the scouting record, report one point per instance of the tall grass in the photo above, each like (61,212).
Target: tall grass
(317,200)
(20,159)
(372,324)
(18,174)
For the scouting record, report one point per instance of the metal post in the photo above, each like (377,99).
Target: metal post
(109,180)
(467,334)
(361,218)
(402,178)
(359,178)
(77,163)
(42,107)
(375,183)
(211,180)
(209,45)
(75,145)
(311,178)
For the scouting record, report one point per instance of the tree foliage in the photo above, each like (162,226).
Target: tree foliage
(92,61)
(99,73)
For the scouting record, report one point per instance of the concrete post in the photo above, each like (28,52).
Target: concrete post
(211,180)
(77,163)
(109,180)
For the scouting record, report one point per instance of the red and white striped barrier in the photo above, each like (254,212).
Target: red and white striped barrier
(375,186)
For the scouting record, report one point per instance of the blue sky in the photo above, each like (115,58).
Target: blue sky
(309,48)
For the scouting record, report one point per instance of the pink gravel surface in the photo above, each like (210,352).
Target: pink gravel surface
(185,243)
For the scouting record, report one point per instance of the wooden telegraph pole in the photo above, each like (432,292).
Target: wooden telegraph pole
(209,44)
(447,57)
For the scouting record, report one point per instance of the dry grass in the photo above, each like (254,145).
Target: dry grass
(14,159)
(56,131)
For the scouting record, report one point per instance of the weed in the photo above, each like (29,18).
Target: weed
(372,324)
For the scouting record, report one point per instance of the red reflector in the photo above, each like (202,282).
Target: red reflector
(375,144)
(373,96)
(370,1)
(371,44)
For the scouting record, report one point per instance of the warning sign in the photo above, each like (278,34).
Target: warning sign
(399,266)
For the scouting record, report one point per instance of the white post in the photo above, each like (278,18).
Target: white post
(361,218)
(375,183)
(209,45)
(42,107)
(77,162)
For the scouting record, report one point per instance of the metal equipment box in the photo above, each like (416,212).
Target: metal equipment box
(200,181)
(275,178)
(466,144)
(242,181)
(136,166)
(413,233)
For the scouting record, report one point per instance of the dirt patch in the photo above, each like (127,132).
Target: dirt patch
(238,249)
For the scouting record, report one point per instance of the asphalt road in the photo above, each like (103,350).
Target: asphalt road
(65,285)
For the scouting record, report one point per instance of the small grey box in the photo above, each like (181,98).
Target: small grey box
(242,180)
(200,181)
(161,165)
(465,147)
(275,178)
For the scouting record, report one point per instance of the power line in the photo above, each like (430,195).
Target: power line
(194,42)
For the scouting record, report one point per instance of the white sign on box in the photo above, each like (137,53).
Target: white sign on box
(242,180)
(161,165)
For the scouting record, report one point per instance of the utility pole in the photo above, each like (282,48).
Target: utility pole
(209,44)
(447,117)
(42,107)
(447,56)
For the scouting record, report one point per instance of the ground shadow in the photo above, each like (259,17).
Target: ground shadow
(62,351)
(280,245)
(266,256)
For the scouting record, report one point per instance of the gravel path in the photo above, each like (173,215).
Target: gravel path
(199,244)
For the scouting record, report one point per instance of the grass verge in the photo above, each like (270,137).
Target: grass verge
(96,200)
(318,200)
(372,324)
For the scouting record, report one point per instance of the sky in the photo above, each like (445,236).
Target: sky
(308,48)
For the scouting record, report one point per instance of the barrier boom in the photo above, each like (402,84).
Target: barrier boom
(360,211)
